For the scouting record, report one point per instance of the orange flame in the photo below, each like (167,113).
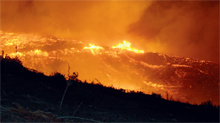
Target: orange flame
(13,55)
(32,53)
(94,49)
(38,52)
(127,46)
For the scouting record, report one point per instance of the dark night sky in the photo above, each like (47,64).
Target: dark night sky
(183,28)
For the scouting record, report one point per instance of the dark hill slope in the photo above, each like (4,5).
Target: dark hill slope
(27,95)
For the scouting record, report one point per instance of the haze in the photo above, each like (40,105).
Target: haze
(182,28)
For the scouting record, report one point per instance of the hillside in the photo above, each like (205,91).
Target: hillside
(122,66)
(31,96)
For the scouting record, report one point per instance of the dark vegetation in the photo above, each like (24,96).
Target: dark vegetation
(29,95)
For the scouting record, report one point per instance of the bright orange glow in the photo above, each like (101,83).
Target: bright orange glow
(94,49)
(127,46)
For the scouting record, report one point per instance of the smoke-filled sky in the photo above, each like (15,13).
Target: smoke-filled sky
(183,28)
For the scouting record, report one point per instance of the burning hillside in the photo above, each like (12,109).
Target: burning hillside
(120,66)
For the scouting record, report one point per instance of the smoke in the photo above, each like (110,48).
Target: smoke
(100,22)
(183,28)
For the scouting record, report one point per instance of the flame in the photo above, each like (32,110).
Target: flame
(38,52)
(31,53)
(127,46)
(13,55)
(154,84)
(94,49)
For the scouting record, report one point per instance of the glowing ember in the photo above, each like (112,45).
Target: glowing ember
(127,46)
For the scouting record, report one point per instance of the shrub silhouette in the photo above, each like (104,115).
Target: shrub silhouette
(208,105)
(11,65)
(158,96)
(57,81)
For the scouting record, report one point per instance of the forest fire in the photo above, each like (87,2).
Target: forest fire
(171,54)
(120,66)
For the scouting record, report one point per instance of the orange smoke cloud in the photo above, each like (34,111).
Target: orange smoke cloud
(100,22)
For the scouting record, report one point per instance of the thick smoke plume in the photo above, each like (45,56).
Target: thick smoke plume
(184,28)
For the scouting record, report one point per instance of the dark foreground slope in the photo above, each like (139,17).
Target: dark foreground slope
(27,95)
